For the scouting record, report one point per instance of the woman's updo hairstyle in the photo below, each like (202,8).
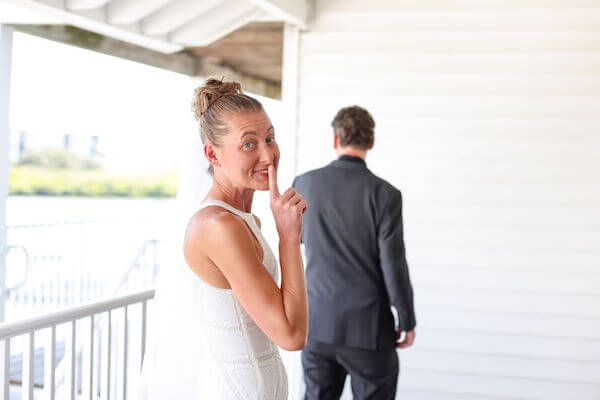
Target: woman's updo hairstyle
(212,101)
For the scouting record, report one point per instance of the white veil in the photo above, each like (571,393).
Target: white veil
(173,352)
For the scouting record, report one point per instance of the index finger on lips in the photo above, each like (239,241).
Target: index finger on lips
(273,182)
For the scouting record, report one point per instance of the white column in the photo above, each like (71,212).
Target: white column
(289,98)
(5,64)
(288,167)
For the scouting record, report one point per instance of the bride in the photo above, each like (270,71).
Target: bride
(223,310)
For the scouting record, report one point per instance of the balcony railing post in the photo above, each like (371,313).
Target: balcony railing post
(73,360)
(88,362)
(109,354)
(5,368)
(91,364)
(50,365)
(27,370)
(144,323)
(125,351)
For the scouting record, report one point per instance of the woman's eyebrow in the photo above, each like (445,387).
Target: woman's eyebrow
(246,133)
(252,132)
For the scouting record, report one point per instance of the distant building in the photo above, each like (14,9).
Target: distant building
(84,146)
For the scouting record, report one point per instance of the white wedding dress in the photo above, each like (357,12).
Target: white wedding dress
(206,345)
(242,362)
(201,342)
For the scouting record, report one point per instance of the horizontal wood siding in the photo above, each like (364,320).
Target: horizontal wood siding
(488,120)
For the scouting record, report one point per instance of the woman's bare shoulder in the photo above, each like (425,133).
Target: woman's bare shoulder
(214,222)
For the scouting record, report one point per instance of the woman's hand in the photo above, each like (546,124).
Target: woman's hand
(287,209)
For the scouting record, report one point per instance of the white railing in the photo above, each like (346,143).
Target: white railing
(102,370)
(56,265)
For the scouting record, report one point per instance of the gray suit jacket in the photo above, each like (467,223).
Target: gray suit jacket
(355,259)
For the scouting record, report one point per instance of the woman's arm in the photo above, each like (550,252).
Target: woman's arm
(287,210)
(224,239)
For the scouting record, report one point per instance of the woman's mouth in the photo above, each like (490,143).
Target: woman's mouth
(262,173)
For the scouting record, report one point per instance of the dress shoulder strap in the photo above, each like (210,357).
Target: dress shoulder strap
(219,203)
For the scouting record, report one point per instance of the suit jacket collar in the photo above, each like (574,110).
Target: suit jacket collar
(349,162)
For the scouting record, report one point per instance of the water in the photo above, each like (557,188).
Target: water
(22,210)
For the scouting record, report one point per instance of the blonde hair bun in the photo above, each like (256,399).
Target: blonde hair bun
(212,90)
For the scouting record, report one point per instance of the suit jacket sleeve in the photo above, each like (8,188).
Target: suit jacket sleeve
(392,256)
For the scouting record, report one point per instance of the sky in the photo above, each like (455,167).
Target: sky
(140,113)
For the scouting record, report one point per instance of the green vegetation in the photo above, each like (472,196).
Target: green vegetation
(61,173)
(55,182)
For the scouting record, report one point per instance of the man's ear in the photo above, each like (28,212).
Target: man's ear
(372,144)
(211,155)
(336,141)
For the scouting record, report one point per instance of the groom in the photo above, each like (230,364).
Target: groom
(356,270)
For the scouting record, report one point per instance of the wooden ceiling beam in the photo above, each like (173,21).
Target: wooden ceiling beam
(84,4)
(123,12)
(175,15)
(216,23)
(294,12)
(182,63)
(210,67)
(94,20)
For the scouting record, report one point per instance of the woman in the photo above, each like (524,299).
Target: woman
(226,319)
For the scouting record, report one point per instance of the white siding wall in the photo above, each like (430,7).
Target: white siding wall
(488,120)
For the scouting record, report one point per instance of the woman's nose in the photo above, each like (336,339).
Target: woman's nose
(267,154)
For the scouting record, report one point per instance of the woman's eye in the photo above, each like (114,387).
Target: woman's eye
(248,145)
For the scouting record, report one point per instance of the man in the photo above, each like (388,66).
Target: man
(356,270)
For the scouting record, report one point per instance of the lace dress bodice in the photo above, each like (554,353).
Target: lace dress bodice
(239,361)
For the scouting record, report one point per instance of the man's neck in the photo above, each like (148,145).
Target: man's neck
(352,152)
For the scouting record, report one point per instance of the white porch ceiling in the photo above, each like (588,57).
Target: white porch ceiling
(167,26)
